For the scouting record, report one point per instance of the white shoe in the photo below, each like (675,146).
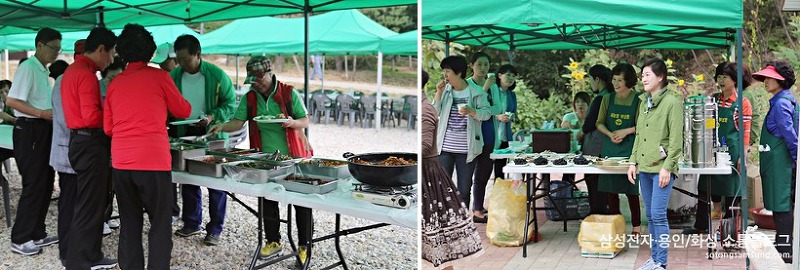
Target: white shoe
(113,223)
(106,229)
(648,265)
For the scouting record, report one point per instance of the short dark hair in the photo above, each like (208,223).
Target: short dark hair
(478,55)
(456,63)
(504,69)
(659,68)
(729,68)
(188,42)
(582,96)
(57,68)
(425,78)
(100,36)
(628,72)
(118,63)
(4,83)
(47,34)
(786,71)
(136,44)
(603,73)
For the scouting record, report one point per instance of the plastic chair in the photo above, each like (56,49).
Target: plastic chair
(368,111)
(412,112)
(387,113)
(321,109)
(346,103)
(237,137)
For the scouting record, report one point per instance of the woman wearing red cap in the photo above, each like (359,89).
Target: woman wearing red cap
(778,151)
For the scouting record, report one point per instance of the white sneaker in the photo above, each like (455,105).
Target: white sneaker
(27,248)
(648,265)
(106,229)
(113,223)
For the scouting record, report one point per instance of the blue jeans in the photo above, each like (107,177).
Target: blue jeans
(464,172)
(193,208)
(655,208)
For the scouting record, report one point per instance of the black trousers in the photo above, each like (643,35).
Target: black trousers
(89,154)
(304,218)
(701,214)
(68,183)
(784,222)
(598,203)
(139,191)
(32,140)
(483,170)
(109,198)
(176,209)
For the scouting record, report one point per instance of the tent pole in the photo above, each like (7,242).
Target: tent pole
(306,9)
(447,44)
(742,152)
(345,67)
(378,104)
(511,50)
(237,72)
(7,71)
(322,73)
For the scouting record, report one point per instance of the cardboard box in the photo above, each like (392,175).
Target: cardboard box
(602,255)
(755,195)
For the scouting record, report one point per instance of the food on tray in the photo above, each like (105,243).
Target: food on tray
(560,162)
(306,180)
(269,117)
(256,165)
(325,162)
(520,161)
(580,160)
(540,160)
(242,151)
(279,158)
(390,161)
(216,160)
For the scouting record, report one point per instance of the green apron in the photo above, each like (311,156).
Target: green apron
(776,172)
(725,185)
(619,117)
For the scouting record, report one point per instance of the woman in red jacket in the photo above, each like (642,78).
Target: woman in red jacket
(136,108)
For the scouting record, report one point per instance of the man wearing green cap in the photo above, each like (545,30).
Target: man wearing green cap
(210,92)
(272,97)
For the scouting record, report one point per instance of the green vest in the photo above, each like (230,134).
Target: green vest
(725,185)
(776,172)
(619,117)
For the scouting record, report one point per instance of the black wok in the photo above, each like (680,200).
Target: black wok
(385,176)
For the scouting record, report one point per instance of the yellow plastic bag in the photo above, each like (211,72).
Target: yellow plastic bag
(602,233)
(507,205)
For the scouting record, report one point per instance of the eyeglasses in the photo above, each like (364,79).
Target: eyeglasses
(58,50)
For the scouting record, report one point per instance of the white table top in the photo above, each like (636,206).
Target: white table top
(510,168)
(6,141)
(338,201)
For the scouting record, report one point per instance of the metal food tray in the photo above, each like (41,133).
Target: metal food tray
(226,153)
(211,144)
(317,169)
(179,156)
(253,175)
(306,188)
(195,165)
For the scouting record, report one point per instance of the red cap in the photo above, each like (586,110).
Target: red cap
(769,72)
(79,46)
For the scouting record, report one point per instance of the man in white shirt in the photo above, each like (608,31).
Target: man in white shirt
(30,97)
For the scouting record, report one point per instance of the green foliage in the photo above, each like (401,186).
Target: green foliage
(532,111)
(400,19)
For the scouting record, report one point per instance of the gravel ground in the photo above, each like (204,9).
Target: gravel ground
(390,247)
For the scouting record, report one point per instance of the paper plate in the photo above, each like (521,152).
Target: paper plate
(272,121)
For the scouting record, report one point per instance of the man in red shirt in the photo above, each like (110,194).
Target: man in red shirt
(88,149)
(136,108)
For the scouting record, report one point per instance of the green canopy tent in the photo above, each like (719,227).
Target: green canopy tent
(401,44)
(345,32)
(77,15)
(593,24)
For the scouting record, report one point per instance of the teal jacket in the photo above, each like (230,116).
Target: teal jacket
(220,98)
(477,101)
